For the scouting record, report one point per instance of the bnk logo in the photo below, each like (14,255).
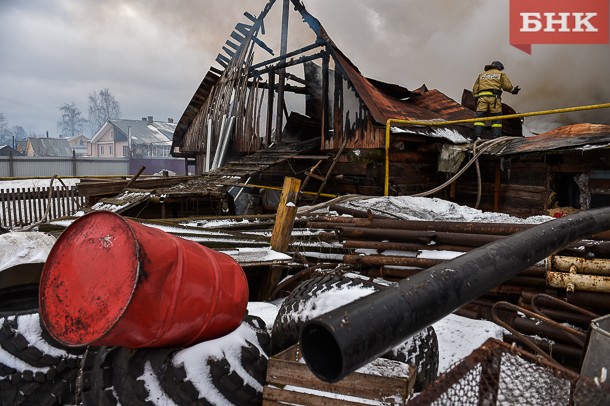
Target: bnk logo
(558,22)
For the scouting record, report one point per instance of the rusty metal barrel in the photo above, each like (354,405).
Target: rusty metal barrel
(112,281)
(337,343)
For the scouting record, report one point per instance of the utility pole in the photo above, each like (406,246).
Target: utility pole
(279,124)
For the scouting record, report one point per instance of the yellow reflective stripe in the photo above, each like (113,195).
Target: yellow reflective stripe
(485,94)
(479,123)
(496,125)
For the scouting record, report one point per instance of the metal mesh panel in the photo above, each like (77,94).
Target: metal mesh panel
(498,374)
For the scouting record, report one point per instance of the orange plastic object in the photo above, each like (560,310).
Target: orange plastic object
(112,281)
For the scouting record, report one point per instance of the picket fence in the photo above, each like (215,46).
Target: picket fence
(20,207)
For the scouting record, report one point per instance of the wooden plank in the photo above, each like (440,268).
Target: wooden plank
(53,203)
(30,197)
(62,210)
(282,372)
(281,235)
(284,220)
(285,369)
(40,205)
(497,187)
(18,203)
(11,206)
(275,396)
(315,176)
(115,187)
(3,202)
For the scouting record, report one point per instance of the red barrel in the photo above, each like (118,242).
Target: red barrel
(112,281)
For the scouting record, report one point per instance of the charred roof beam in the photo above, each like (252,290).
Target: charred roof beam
(253,68)
(291,62)
(288,88)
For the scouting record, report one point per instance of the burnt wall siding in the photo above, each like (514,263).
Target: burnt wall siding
(528,182)
(523,188)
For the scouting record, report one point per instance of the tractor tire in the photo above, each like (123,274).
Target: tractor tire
(421,350)
(35,369)
(226,371)
(302,304)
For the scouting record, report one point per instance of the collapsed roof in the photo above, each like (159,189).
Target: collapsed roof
(380,101)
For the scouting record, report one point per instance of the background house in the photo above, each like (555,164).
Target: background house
(55,147)
(79,144)
(144,138)
(6,150)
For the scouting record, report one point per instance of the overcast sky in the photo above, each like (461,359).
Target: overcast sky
(152,54)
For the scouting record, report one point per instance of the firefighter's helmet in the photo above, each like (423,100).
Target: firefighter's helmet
(498,65)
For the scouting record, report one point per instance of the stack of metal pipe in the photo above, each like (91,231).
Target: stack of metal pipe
(396,249)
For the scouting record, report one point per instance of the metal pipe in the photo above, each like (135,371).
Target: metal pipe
(581,265)
(403,246)
(377,260)
(339,342)
(572,282)
(399,235)
(590,299)
(438,226)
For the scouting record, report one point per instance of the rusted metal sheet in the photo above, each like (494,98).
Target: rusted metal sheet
(562,138)
(381,106)
(441,104)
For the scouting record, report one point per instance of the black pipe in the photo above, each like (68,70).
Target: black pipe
(337,343)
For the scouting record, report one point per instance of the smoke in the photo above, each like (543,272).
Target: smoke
(442,43)
(152,54)
(445,44)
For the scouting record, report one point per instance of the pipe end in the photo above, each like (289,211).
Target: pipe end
(321,352)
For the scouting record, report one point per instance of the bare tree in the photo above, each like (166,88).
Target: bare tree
(19,133)
(6,135)
(72,121)
(102,106)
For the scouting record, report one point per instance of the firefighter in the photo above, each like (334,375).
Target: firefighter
(487,91)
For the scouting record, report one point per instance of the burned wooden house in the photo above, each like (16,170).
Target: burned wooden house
(242,131)
(242,108)
(555,172)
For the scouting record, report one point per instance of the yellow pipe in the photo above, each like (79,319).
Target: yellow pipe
(386,186)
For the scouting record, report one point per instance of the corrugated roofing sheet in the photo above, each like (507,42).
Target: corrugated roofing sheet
(143,132)
(429,105)
(562,138)
(51,146)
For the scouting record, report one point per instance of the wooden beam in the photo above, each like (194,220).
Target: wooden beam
(286,212)
(497,189)
(282,232)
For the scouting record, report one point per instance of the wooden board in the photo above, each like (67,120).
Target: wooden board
(291,381)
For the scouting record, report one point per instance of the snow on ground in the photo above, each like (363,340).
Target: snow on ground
(24,248)
(30,183)
(457,336)
(425,208)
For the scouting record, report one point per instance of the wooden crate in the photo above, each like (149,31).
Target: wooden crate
(289,381)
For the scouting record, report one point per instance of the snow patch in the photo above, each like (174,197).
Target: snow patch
(17,248)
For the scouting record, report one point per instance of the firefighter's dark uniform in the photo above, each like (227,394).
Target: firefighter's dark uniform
(487,90)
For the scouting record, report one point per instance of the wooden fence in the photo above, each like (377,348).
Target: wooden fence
(23,206)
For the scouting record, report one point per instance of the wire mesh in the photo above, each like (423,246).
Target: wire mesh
(499,374)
